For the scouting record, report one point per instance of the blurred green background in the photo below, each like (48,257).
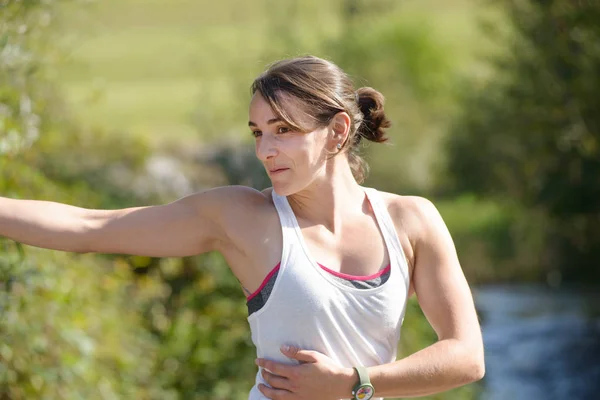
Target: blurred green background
(107,104)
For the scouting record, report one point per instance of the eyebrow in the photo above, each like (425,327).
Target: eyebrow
(269,122)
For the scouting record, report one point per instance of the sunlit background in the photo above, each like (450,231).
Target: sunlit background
(116,103)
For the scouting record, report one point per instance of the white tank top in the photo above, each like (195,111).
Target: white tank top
(309,309)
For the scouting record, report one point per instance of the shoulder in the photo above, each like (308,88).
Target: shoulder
(408,206)
(237,212)
(231,204)
(417,216)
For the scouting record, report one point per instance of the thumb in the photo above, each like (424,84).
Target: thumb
(305,356)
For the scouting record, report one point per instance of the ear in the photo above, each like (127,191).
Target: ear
(340,128)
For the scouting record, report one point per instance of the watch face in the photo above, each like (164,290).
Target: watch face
(364,393)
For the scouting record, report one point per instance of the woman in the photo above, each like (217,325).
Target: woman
(326,264)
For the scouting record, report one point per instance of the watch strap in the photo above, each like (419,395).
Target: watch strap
(363,375)
(363,389)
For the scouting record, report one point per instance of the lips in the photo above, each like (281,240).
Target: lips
(277,170)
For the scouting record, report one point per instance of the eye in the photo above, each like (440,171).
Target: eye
(283,129)
(256,133)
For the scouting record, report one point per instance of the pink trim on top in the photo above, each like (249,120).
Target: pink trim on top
(357,277)
(264,282)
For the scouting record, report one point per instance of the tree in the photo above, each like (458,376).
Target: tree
(532,134)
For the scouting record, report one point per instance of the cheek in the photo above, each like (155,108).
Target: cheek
(308,157)
(305,153)
(294,149)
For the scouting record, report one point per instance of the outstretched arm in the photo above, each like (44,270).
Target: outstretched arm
(188,226)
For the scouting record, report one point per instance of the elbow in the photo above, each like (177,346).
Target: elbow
(470,372)
(470,363)
(477,371)
(475,366)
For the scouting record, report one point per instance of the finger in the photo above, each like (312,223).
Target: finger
(275,381)
(274,394)
(275,367)
(306,356)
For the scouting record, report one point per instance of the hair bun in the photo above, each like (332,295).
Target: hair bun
(374,123)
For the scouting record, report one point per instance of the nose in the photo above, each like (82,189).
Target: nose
(265,148)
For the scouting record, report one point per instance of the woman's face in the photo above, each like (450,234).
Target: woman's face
(293,160)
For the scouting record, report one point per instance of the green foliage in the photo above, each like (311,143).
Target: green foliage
(532,133)
(61,330)
(497,240)
(206,351)
(20,102)
(61,334)
(403,58)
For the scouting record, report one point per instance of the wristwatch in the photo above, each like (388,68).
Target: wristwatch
(363,389)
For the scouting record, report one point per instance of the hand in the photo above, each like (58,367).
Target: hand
(317,377)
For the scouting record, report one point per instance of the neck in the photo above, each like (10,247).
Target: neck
(330,197)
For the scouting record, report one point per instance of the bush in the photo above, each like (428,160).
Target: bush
(61,330)
(531,134)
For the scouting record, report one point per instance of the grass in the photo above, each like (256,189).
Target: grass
(180,69)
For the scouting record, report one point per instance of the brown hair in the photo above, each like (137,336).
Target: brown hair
(325,90)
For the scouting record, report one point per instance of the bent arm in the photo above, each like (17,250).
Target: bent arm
(457,358)
(188,226)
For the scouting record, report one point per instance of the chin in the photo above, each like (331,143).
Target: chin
(281,189)
(284,188)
